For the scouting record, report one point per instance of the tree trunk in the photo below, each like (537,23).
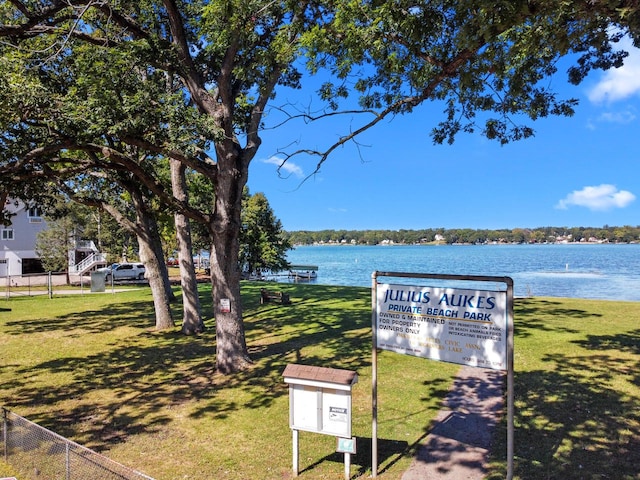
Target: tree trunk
(153,259)
(231,348)
(161,301)
(146,230)
(192,313)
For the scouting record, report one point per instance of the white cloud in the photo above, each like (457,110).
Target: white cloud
(619,83)
(623,117)
(601,197)
(289,168)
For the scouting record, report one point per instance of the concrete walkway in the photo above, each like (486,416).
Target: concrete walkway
(459,443)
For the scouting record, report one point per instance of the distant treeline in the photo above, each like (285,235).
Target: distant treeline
(606,234)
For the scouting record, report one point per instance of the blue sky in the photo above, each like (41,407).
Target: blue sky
(576,171)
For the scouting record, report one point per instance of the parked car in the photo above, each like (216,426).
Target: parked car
(124,271)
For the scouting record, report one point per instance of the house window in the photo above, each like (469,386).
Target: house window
(34,215)
(7,234)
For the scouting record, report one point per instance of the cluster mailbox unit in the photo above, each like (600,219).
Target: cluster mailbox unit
(320,402)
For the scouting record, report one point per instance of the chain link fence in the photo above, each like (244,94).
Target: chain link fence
(38,453)
(35,284)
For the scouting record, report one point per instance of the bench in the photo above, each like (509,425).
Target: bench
(269,296)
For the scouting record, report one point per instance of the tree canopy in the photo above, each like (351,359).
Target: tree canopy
(93,94)
(263,245)
(606,234)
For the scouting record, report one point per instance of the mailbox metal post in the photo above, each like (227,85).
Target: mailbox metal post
(319,402)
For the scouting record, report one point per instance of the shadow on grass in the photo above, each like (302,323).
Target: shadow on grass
(143,377)
(389,452)
(138,378)
(572,421)
(137,314)
(329,318)
(529,308)
(577,418)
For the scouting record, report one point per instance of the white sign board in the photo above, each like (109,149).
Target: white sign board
(307,416)
(321,410)
(467,327)
(336,413)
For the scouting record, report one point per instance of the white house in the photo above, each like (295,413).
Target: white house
(18,241)
(18,254)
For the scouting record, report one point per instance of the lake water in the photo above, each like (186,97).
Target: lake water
(578,271)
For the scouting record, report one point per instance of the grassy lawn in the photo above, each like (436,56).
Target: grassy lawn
(91,368)
(577,389)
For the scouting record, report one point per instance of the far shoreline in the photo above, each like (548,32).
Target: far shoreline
(439,244)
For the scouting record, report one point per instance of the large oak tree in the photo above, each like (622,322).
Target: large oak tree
(225,61)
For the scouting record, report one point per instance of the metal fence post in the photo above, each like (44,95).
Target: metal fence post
(4,432)
(67,462)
